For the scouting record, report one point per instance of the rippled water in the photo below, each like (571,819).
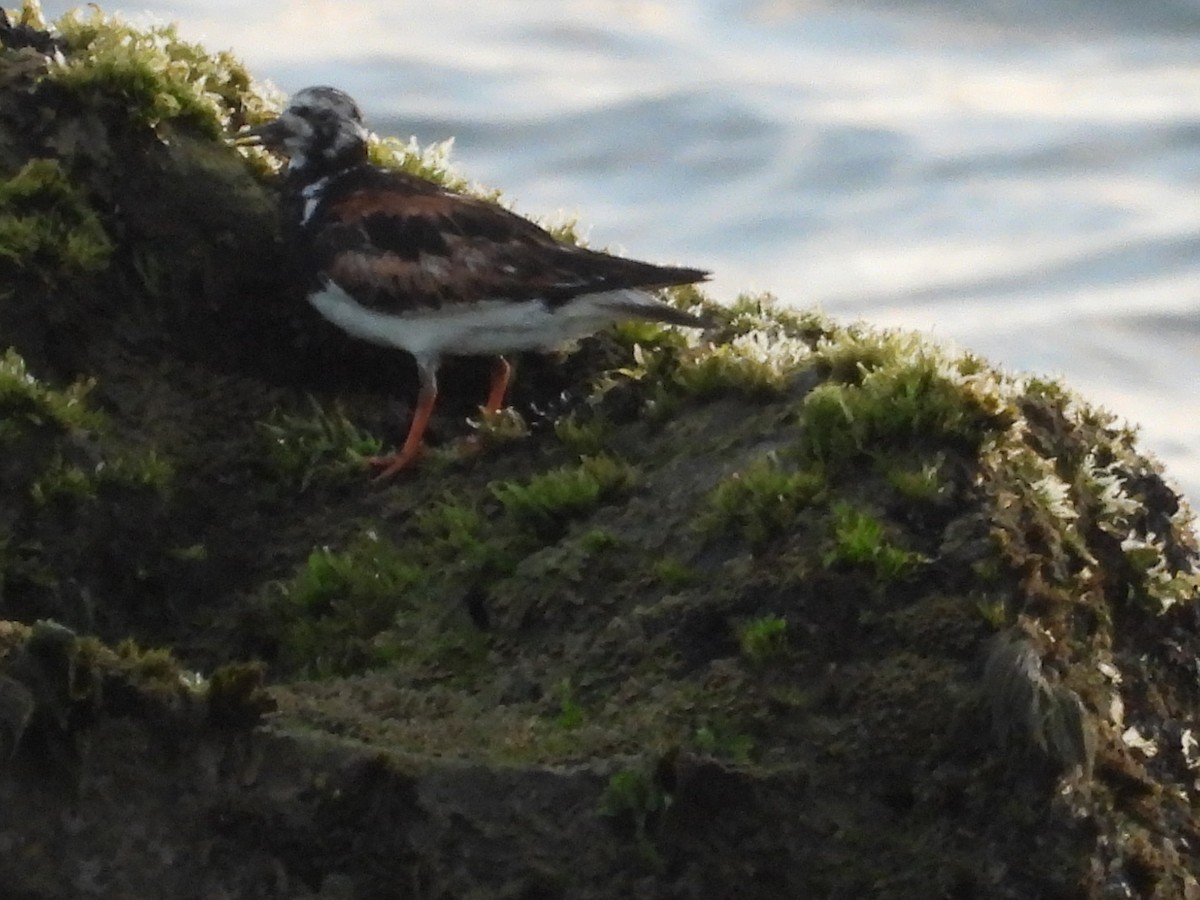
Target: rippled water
(1019,178)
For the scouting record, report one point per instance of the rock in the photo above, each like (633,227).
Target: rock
(796,609)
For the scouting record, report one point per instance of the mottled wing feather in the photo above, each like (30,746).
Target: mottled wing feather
(398,243)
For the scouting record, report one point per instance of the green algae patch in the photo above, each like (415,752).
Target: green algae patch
(339,601)
(859,539)
(155,74)
(431,162)
(47,227)
(922,398)
(734,358)
(548,501)
(27,402)
(762,499)
(763,639)
(71,484)
(315,446)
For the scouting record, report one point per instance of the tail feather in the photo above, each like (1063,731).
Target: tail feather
(667,276)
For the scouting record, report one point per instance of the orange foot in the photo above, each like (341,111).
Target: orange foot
(393,463)
(413,444)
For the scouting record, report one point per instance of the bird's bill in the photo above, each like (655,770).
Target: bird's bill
(269,134)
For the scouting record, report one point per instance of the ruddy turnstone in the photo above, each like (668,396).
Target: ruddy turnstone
(397,260)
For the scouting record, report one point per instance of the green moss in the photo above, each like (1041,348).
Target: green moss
(455,525)
(493,430)
(859,539)
(920,400)
(321,445)
(126,677)
(340,601)
(62,481)
(690,298)
(718,740)
(920,484)
(146,470)
(570,712)
(435,643)
(152,663)
(598,540)
(642,337)
(674,574)
(856,354)
(635,797)
(1071,466)
(550,580)
(546,503)
(763,639)
(377,603)
(586,437)
(755,365)
(761,313)
(762,500)
(752,350)
(993,610)
(431,162)
(58,448)
(29,15)
(47,227)
(457,539)
(26,402)
(153,74)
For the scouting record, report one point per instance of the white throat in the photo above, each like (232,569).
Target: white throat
(312,197)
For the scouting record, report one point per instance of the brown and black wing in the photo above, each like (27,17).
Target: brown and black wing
(399,243)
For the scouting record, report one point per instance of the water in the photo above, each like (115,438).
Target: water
(1019,178)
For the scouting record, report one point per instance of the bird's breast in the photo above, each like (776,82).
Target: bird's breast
(481,328)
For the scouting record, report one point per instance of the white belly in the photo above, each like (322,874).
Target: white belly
(490,327)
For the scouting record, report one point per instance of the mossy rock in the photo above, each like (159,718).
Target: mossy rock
(789,609)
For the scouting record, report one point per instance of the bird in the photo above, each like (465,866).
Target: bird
(401,261)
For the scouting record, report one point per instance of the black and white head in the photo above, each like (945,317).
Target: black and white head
(321,131)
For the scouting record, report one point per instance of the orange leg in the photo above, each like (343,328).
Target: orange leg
(501,373)
(426,398)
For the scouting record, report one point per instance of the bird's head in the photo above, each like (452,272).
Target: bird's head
(321,131)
